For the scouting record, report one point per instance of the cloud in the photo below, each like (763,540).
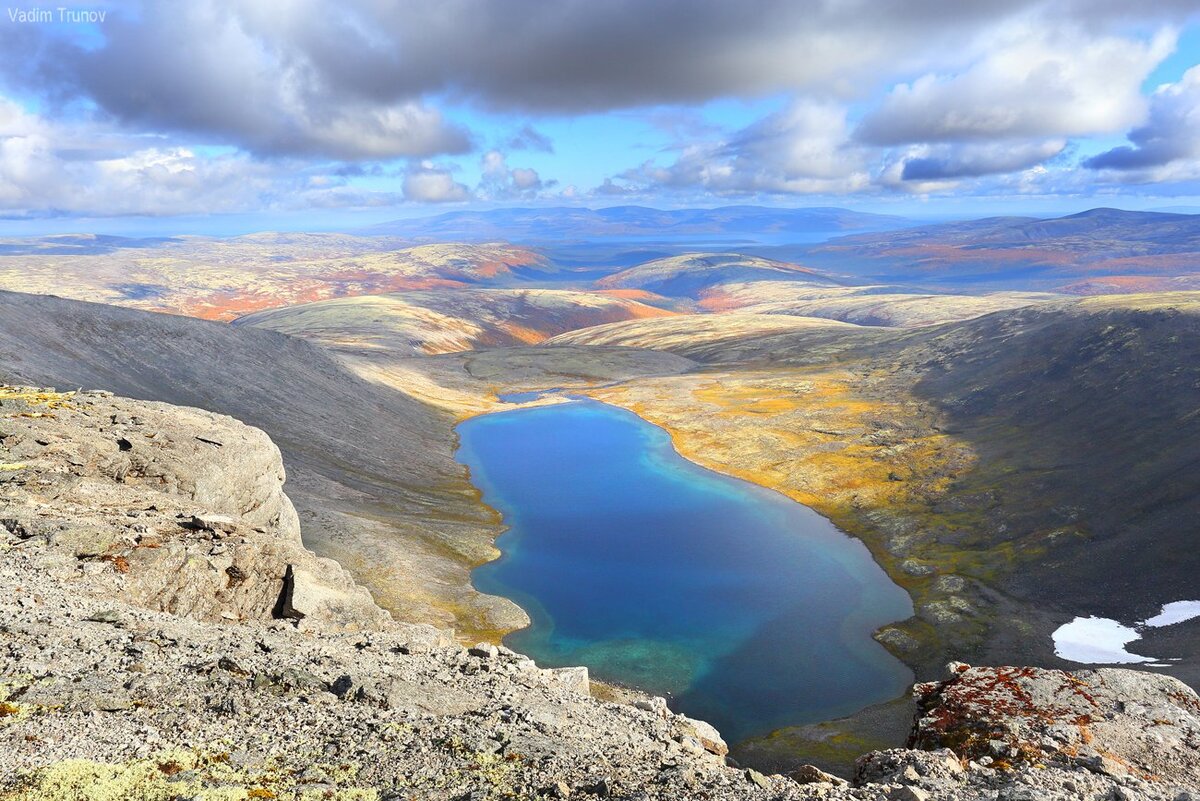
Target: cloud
(1007,108)
(529,138)
(949,162)
(611,189)
(1167,145)
(292,86)
(426,182)
(1036,83)
(355,81)
(804,149)
(499,182)
(218,71)
(47,169)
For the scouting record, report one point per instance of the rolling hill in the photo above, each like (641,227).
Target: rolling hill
(449,320)
(221,279)
(864,305)
(690,274)
(694,336)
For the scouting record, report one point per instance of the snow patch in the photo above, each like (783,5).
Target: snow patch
(1173,613)
(1102,641)
(1096,641)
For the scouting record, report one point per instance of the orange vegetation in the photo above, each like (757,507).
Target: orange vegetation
(521,333)
(632,294)
(716,300)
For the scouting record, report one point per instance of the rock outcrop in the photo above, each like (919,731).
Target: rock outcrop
(164,635)
(1120,723)
(173,509)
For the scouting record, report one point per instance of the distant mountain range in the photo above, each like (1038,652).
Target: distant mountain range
(564,223)
(1093,251)
(680,253)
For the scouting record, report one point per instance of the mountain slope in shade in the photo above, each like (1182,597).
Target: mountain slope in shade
(370,469)
(1093,246)
(448,320)
(1012,471)
(691,274)
(534,225)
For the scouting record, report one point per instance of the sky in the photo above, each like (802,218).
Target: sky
(223,116)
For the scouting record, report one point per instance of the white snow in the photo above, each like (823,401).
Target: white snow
(1173,613)
(1096,641)
(1102,641)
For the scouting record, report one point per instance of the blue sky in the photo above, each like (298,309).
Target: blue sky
(219,116)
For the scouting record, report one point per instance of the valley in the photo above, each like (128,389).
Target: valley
(1012,452)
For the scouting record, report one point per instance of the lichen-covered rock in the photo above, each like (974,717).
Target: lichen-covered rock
(1111,721)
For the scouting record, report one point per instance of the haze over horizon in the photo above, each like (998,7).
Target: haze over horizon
(229,117)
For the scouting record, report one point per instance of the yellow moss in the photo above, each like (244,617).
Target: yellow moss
(158,778)
(51,400)
(10,711)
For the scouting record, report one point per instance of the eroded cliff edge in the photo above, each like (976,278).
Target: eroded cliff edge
(164,634)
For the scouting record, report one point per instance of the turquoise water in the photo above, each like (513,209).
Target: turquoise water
(741,606)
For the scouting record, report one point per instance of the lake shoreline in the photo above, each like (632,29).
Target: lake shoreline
(762,501)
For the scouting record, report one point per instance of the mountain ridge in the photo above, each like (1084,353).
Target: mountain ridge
(541,224)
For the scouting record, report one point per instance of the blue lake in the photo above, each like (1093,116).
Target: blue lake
(741,606)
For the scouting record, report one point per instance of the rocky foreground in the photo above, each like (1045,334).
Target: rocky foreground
(165,635)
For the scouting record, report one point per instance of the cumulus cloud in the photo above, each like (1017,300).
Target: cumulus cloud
(1167,145)
(293,85)
(87,169)
(1009,107)
(221,71)
(500,182)
(804,149)
(948,162)
(304,78)
(426,182)
(611,189)
(1038,83)
(46,168)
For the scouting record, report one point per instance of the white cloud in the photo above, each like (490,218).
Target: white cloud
(990,91)
(499,182)
(1035,82)
(1167,147)
(426,182)
(91,170)
(804,149)
(526,179)
(938,167)
(1021,93)
(45,167)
